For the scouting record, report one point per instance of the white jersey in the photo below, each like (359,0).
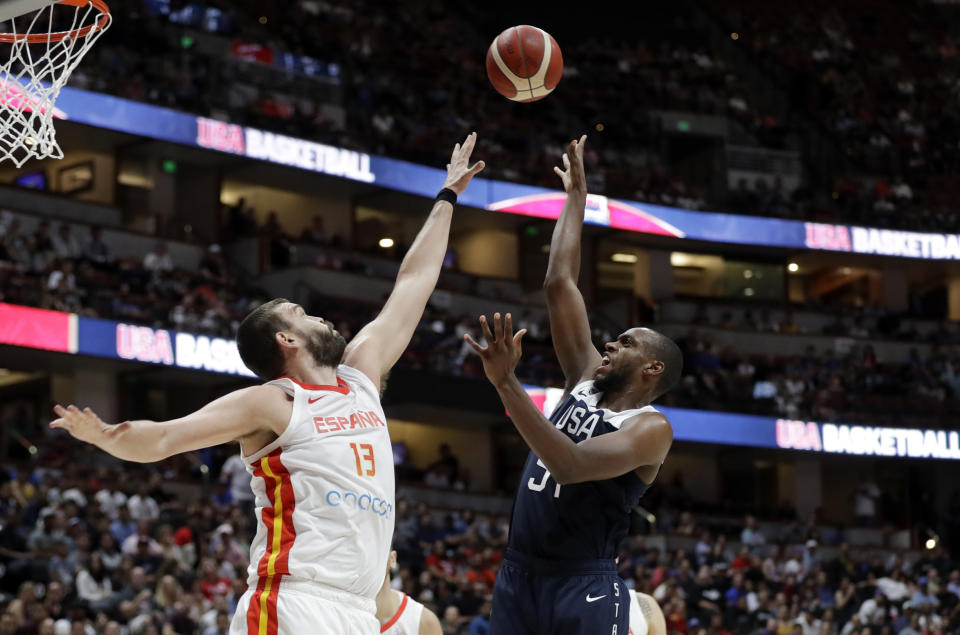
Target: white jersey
(638,623)
(324,492)
(406,621)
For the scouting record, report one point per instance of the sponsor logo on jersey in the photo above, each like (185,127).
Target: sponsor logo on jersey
(365,501)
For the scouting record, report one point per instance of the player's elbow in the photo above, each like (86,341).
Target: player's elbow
(555,283)
(567,472)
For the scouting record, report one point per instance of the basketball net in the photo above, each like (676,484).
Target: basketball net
(44,47)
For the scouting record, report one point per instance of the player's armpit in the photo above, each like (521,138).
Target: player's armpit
(642,440)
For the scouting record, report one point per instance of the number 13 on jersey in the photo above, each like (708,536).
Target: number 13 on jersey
(538,487)
(364,456)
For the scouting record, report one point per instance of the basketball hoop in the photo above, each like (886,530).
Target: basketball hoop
(45,45)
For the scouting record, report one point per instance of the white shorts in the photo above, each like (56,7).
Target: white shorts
(302,607)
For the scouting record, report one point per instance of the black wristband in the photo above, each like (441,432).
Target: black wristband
(448,195)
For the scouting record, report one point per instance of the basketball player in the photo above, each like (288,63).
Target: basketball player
(646,616)
(314,438)
(590,463)
(400,614)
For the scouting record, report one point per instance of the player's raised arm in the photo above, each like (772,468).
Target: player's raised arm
(568,313)
(641,440)
(229,418)
(378,346)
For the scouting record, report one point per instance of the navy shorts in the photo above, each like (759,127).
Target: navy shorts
(551,597)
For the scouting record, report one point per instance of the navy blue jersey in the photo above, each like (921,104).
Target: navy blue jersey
(582,520)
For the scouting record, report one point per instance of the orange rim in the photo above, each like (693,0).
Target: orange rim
(42,38)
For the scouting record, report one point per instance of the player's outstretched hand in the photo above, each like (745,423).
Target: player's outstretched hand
(573,177)
(86,425)
(459,170)
(502,352)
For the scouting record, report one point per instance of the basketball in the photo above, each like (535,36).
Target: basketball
(524,63)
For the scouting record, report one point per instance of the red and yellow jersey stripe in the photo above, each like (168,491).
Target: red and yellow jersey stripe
(274,564)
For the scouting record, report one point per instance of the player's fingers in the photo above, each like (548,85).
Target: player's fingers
(469,340)
(572,147)
(507,327)
(566,161)
(497,327)
(583,140)
(58,423)
(60,410)
(486,329)
(469,143)
(559,172)
(477,168)
(453,155)
(519,336)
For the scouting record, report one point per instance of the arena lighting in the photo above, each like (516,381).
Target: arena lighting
(793,267)
(747,273)
(627,258)
(931,544)
(386,243)
(734,36)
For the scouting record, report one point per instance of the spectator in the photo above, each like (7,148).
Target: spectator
(875,610)
(158,260)
(811,559)
(107,551)
(222,625)
(234,472)
(865,502)
(65,244)
(211,582)
(111,500)
(480,624)
(315,233)
(64,563)
(96,250)
(142,506)
(124,526)
(132,545)
(922,599)
(893,586)
(93,582)
(452,624)
(751,535)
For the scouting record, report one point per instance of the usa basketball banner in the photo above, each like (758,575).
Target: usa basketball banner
(725,428)
(511,198)
(106,338)
(70,333)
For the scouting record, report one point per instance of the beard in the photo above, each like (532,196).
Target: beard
(611,382)
(325,347)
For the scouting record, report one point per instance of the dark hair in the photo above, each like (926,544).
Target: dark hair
(666,350)
(255,340)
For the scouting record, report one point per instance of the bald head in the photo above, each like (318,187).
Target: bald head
(665,350)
